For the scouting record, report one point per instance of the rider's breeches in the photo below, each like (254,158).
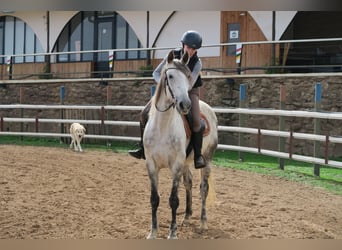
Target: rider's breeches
(195,109)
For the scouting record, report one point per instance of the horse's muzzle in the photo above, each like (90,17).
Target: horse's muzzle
(184,107)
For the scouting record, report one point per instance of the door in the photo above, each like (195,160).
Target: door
(103,40)
(233,29)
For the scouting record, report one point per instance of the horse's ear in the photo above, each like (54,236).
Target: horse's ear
(185,58)
(170,57)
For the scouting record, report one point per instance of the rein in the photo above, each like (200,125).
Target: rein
(172,105)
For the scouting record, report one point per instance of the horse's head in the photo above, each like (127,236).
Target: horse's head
(178,80)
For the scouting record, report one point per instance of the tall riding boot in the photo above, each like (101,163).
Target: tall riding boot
(139,152)
(197,139)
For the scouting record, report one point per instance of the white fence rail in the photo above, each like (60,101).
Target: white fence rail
(260,132)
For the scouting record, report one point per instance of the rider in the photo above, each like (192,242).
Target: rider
(191,42)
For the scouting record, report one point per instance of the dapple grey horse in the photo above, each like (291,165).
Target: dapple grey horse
(165,142)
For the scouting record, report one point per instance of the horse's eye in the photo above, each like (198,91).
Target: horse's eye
(170,76)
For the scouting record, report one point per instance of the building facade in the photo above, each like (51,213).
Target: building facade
(74,39)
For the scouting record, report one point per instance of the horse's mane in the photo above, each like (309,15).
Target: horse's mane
(161,85)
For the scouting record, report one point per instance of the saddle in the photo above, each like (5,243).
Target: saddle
(187,120)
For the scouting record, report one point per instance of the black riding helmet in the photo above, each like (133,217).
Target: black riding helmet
(192,38)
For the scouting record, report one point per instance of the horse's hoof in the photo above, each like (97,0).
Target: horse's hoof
(152,236)
(185,222)
(204,225)
(172,237)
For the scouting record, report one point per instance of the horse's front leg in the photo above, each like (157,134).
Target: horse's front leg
(154,200)
(174,203)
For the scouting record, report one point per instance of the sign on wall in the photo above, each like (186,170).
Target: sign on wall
(233,37)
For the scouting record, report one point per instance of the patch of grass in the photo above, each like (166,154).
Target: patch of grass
(117,146)
(330,178)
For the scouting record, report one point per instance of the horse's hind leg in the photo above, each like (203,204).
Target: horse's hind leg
(187,179)
(205,172)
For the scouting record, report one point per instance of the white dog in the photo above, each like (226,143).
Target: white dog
(77,131)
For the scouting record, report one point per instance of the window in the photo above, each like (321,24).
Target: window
(121,37)
(19,39)
(63,45)
(75,37)
(97,31)
(132,43)
(323,56)
(29,46)
(9,38)
(2,27)
(87,31)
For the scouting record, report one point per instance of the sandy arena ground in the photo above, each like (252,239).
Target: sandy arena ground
(55,193)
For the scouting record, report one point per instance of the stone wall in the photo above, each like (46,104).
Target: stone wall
(262,91)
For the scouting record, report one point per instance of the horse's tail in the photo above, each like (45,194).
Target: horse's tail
(211,198)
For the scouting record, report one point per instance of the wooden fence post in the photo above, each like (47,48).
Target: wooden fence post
(103,115)
(1,123)
(317,125)
(242,118)
(37,124)
(281,144)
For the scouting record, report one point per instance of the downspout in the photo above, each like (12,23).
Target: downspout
(273,38)
(47,70)
(148,62)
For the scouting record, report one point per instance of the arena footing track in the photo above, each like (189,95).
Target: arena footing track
(55,193)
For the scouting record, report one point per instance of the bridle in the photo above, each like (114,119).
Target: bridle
(173,104)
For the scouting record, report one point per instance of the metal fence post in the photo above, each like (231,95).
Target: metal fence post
(242,118)
(61,99)
(21,100)
(281,144)
(153,89)
(109,112)
(317,125)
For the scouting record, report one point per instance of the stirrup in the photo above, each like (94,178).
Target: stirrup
(199,162)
